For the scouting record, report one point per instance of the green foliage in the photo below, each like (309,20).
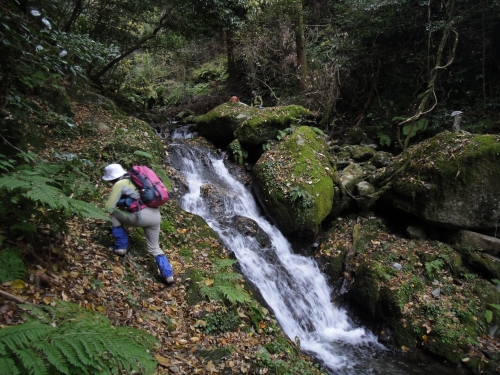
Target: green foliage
(284,132)
(433,267)
(383,139)
(413,128)
(238,153)
(11,265)
(222,322)
(296,193)
(45,193)
(68,339)
(223,284)
(289,362)
(267,146)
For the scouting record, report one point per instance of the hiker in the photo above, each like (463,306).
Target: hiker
(256,100)
(234,99)
(122,194)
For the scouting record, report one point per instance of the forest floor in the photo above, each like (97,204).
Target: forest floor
(77,267)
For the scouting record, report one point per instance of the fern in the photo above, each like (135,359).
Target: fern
(433,267)
(11,265)
(223,284)
(74,341)
(144,154)
(46,193)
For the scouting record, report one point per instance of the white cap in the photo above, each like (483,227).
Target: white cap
(113,171)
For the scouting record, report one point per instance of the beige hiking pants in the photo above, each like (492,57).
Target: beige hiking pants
(148,219)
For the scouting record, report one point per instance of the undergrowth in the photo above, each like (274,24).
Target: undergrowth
(68,339)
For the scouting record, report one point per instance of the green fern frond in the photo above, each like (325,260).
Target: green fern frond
(53,355)
(223,264)
(38,313)
(22,335)
(6,165)
(11,265)
(86,210)
(11,183)
(24,227)
(235,293)
(76,341)
(49,196)
(144,154)
(31,362)
(8,366)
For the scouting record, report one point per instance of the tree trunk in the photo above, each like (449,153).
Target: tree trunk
(96,77)
(77,10)
(231,62)
(300,41)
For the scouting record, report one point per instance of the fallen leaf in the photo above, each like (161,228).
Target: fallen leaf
(118,270)
(210,366)
(209,282)
(162,360)
(47,300)
(19,284)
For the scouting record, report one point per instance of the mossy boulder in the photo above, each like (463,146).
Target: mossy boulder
(219,124)
(294,182)
(360,153)
(451,180)
(266,123)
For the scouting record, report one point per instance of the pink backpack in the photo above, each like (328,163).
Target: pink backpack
(153,193)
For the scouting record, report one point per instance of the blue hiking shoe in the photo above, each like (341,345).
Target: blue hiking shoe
(121,241)
(166,271)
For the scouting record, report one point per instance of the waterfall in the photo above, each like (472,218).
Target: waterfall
(292,285)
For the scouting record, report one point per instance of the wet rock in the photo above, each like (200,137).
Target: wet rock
(479,242)
(179,184)
(183,114)
(381,159)
(397,266)
(351,176)
(436,293)
(416,232)
(250,228)
(365,188)
(360,153)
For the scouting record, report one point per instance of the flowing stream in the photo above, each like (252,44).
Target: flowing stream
(292,285)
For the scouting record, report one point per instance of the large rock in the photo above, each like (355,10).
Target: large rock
(479,242)
(351,176)
(219,124)
(451,180)
(294,182)
(266,123)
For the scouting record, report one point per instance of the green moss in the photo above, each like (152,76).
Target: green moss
(266,123)
(445,161)
(219,124)
(336,263)
(300,161)
(192,277)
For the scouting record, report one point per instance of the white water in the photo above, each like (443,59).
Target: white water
(291,284)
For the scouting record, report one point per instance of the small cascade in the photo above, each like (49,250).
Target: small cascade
(292,285)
